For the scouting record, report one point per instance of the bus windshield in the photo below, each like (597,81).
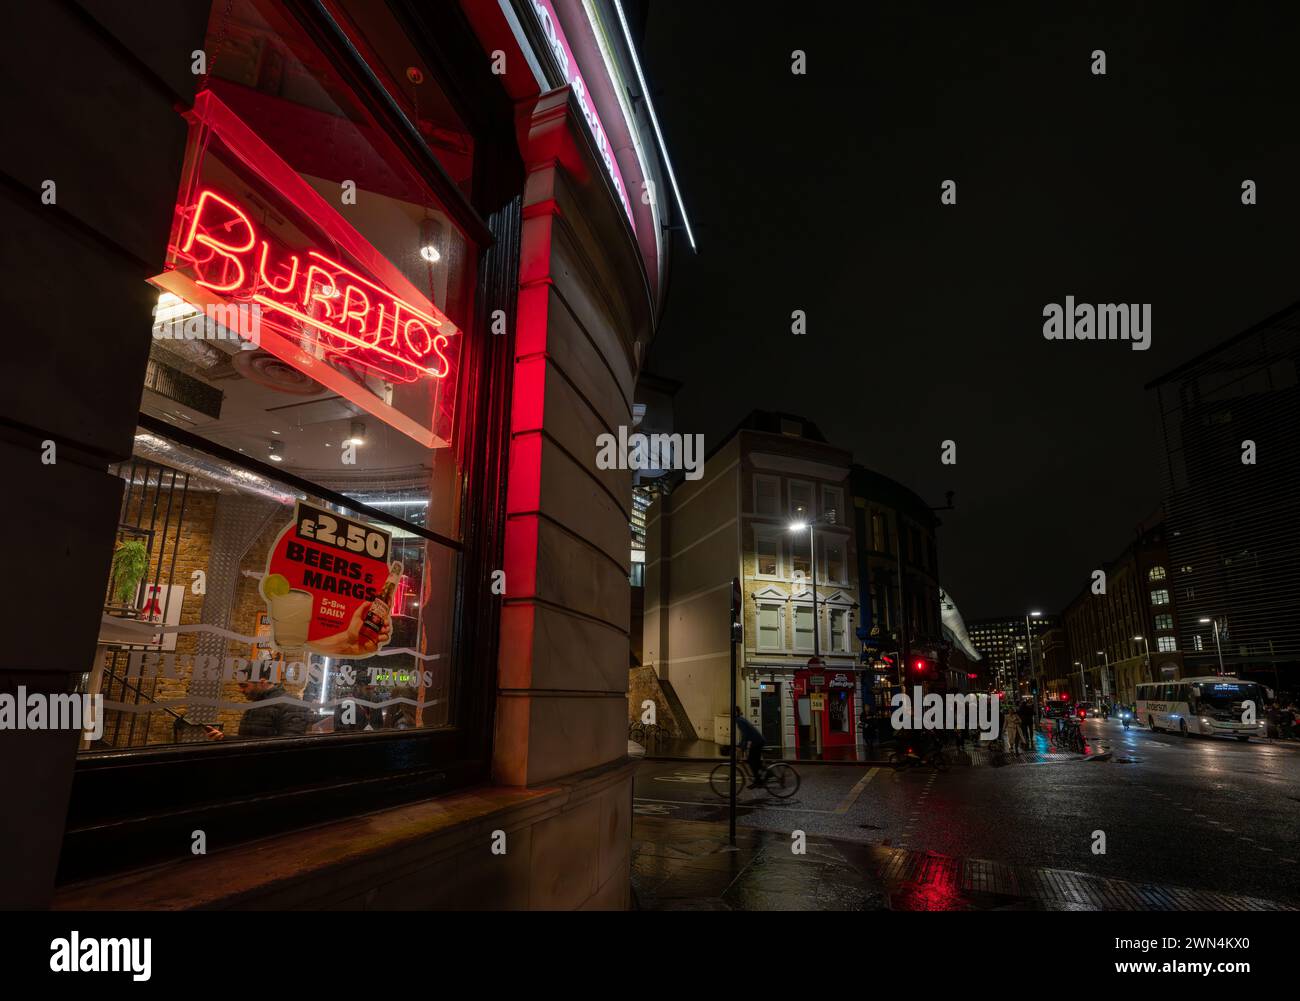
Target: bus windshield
(1226,695)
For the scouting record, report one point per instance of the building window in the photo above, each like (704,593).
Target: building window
(1164,621)
(839,638)
(1166,644)
(340,608)
(1160,597)
(767,495)
(803,627)
(801,500)
(1156,573)
(832,566)
(769,627)
(801,560)
(833,502)
(767,553)
(333,599)
(1197,643)
(880,540)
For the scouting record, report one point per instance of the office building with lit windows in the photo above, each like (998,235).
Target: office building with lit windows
(1230,436)
(1012,650)
(1129,633)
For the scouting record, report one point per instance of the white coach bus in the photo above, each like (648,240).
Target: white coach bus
(1213,705)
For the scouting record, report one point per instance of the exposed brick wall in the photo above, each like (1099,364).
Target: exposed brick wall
(193,553)
(643,684)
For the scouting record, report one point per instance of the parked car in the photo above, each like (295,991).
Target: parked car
(1055,710)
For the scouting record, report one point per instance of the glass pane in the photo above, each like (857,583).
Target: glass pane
(801,505)
(238,607)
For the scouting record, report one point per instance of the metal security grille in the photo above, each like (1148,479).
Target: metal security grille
(153,512)
(1234,526)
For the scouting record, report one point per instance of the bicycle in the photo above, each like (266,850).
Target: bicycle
(1070,737)
(779,779)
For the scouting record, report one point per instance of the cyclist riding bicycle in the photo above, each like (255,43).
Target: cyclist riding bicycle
(750,740)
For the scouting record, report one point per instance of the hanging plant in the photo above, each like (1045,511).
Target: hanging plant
(130,561)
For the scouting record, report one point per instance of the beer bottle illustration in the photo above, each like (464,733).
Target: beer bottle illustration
(377,615)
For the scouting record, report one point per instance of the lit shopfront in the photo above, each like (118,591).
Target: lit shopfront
(329,579)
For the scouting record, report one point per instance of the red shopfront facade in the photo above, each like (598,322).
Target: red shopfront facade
(443,270)
(836,692)
(345,225)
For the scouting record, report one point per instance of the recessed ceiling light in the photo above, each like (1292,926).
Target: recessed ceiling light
(431,238)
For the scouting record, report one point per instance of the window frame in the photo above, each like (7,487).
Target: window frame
(131,808)
(795,607)
(838,502)
(823,563)
(812,497)
(773,534)
(831,612)
(767,477)
(779,608)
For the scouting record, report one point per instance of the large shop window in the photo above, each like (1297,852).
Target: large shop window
(311,318)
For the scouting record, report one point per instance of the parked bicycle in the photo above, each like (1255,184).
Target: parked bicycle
(1069,736)
(779,779)
(643,733)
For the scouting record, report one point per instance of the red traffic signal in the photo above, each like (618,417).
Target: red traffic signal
(918,666)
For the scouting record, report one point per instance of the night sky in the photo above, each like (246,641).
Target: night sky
(821,193)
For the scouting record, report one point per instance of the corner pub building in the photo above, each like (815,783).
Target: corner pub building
(316,309)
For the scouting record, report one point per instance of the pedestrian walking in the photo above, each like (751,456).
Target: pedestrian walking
(1014,731)
(1026,714)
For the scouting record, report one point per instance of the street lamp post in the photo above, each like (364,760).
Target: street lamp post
(1105,675)
(1029,649)
(1147,646)
(1216,643)
(1083,687)
(799,526)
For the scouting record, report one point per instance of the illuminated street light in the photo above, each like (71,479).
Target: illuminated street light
(1147,647)
(1216,642)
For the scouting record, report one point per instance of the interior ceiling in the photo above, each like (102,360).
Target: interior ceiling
(266,401)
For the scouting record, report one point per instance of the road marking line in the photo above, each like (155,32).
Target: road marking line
(856,791)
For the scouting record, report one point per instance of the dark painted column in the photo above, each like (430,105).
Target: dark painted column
(89,94)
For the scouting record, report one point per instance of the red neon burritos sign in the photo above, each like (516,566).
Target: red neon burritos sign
(311,296)
(249,229)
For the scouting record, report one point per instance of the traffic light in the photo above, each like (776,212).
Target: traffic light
(919,666)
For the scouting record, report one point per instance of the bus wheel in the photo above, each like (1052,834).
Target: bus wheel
(1243,739)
